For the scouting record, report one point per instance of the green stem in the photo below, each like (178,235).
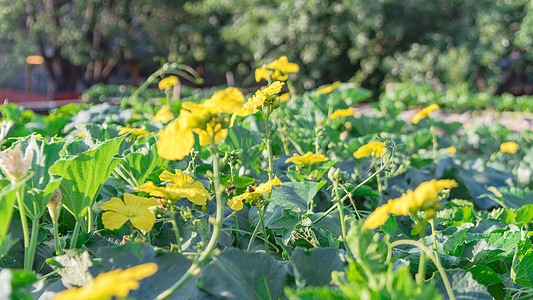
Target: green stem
(341,213)
(25,229)
(380,186)
(75,233)
(216,230)
(429,254)
(90,219)
(434,237)
(421,276)
(269,146)
(254,234)
(434,140)
(176,230)
(232,172)
(56,239)
(262,219)
(33,243)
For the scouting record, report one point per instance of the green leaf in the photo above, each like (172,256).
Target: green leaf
(238,274)
(294,195)
(522,268)
(511,197)
(485,275)
(464,286)
(139,162)
(313,267)
(85,173)
(241,182)
(73,266)
(16,284)
(283,222)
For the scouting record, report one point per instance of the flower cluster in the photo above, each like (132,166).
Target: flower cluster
(253,193)
(260,98)
(373,149)
(117,283)
(177,139)
(307,159)
(424,197)
(509,147)
(277,70)
(424,113)
(133,209)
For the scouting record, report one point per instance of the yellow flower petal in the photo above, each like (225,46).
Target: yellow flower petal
(307,159)
(114,204)
(509,147)
(374,149)
(164,115)
(168,83)
(144,220)
(342,113)
(113,220)
(377,218)
(173,142)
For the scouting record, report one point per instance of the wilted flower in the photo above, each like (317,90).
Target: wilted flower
(16,165)
(326,89)
(179,186)
(236,203)
(168,83)
(423,197)
(342,113)
(424,113)
(307,159)
(54,206)
(133,209)
(509,147)
(374,149)
(116,283)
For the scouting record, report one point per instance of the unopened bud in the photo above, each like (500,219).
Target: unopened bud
(54,206)
(15,164)
(334,174)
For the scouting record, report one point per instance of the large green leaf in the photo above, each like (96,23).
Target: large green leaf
(43,185)
(313,267)
(522,268)
(85,173)
(464,286)
(236,274)
(294,195)
(139,162)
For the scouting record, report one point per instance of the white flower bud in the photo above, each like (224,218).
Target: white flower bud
(16,165)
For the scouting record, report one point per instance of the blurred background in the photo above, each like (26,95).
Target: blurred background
(63,47)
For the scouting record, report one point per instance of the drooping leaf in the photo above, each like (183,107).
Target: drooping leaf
(294,195)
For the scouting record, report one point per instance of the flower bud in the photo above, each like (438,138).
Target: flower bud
(15,164)
(54,206)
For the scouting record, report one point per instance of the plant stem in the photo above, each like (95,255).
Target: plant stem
(25,230)
(341,213)
(176,230)
(33,243)
(434,140)
(216,229)
(427,251)
(90,219)
(75,233)
(262,220)
(380,186)
(254,234)
(56,239)
(421,276)
(268,145)
(434,237)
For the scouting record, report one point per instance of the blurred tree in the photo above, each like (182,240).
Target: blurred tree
(79,39)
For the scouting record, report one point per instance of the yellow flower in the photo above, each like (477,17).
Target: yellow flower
(16,165)
(284,97)
(509,147)
(424,113)
(134,131)
(276,70)
(326,89)
(175,141)
(452,150)
(307,159)
(424,195)
(374,149)
(258,99)
(168,83)
(116,283)
(133,209)
(164,115)
(180,186)
(236,203)
(342,113)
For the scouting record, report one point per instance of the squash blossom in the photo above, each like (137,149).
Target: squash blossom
(307,159)
(424,197)
(164,115)
(236,203)
(374,149)
(326,89)
(179,186)
(134,131)
(133,209)
(116,283)
(342,113)
(177,139)
(277,70)
(509,147)
(168,83)
(424,113)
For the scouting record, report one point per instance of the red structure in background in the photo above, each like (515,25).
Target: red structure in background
(37,102)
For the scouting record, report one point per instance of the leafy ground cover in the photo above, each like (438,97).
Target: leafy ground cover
(272,195)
